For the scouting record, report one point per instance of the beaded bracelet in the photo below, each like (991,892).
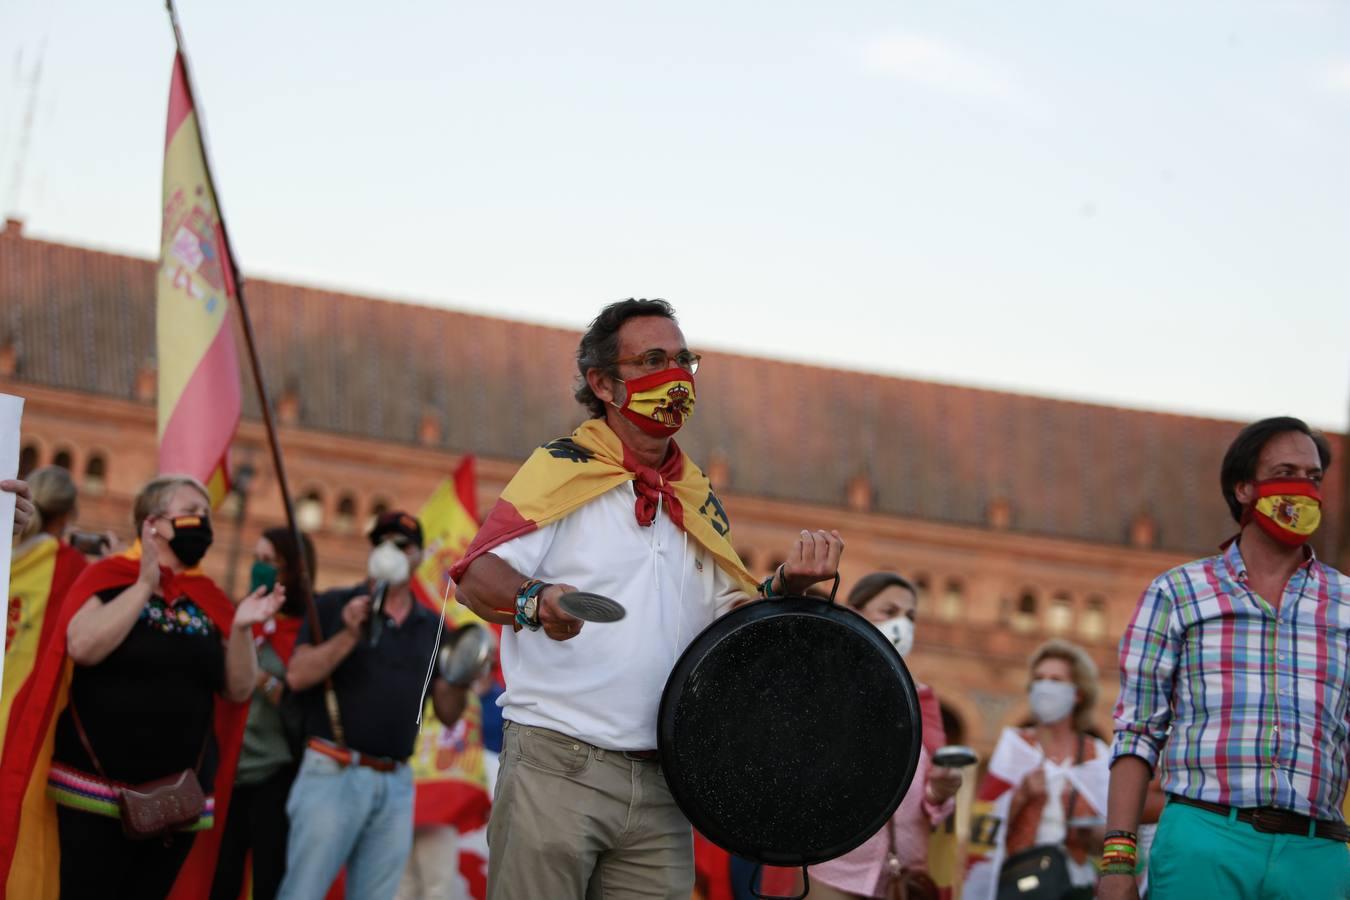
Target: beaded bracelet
(767,587)
(1121,833)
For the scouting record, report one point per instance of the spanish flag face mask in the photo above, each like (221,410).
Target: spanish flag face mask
(659,403)
(1287,509)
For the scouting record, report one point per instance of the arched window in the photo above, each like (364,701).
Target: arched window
(1024,613)
(1059,619)
(344,519)
(28,459)
(309,510)
(95,474)
(922,581)
(64,457)
(1093,626)
(951,601)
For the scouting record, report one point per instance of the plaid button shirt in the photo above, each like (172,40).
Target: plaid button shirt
(1247,706)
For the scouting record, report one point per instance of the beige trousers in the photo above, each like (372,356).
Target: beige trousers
(433,866)
(574,822)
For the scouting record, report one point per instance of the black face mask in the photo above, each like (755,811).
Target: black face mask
(191,538)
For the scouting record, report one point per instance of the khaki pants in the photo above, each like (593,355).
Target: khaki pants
(573,821)
(433,866)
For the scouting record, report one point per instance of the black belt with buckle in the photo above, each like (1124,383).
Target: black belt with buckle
(1271,820)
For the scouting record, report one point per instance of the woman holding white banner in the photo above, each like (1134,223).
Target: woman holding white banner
(1039,812)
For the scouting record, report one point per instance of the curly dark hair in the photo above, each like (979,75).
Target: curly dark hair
(1239,463)
(599,346)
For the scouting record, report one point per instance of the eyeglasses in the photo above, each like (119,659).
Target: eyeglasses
(658,360)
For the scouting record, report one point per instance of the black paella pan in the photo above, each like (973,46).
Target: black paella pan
(789,731)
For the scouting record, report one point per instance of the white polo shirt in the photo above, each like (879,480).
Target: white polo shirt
(604,685)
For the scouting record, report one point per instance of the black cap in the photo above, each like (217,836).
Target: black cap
(396,522)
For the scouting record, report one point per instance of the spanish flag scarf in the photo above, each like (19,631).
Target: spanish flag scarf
(29,847)
(43,569)
(565,474)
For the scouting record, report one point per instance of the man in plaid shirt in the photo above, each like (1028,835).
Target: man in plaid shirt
(1233,674)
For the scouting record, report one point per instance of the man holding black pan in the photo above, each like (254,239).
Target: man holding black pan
(615,509)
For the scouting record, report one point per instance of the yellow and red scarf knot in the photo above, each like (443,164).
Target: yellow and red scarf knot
(1287,509)
(654,487)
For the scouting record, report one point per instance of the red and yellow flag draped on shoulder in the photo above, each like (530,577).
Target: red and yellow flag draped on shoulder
(29,849)
(199,393)
(562,475)
(41,571)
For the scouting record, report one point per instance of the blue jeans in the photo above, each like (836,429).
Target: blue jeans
(352,816)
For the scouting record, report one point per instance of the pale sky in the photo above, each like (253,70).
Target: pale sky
(1139,203)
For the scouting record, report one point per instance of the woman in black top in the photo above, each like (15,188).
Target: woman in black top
(155,647)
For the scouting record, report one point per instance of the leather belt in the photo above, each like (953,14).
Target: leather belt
(349,757)
(1271,820)
(643,755)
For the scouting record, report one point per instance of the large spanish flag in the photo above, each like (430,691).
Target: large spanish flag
(199,394)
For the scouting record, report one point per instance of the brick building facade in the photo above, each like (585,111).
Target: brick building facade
(1022,517)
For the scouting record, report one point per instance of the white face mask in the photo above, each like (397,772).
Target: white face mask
(1052,701)
(900,632)
(388,563)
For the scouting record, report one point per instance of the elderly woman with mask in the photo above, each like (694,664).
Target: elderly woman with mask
(898,853)
(159,665)
(1043,799)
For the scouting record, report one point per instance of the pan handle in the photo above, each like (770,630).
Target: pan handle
(834,589)
(759,868)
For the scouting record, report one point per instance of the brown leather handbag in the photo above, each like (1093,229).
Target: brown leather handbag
(904,883)
(156,808)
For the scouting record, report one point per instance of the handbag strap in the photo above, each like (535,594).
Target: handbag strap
(1073,795)
(84,739)
(98,766)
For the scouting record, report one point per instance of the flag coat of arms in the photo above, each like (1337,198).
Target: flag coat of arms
(199,392)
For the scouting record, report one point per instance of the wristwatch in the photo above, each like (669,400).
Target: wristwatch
(527,604)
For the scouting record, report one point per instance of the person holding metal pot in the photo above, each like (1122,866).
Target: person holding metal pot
(893,862)
(352,801)
(616,508)
(1040,810)
(159,664)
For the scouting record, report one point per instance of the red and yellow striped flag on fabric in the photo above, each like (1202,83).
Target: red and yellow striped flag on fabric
(199,392)
(449,522)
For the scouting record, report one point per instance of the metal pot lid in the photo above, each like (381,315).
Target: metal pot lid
(789,731)
(466,653)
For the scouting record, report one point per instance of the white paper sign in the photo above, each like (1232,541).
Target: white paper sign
(11,412)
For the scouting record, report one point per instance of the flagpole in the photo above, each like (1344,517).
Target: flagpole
(311,610)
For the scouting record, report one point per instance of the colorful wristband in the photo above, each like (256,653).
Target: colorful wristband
(767,587)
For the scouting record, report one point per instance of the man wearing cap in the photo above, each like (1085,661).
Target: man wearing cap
(582,808)
(352,802)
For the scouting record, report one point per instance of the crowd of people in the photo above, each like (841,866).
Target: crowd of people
(164,739)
